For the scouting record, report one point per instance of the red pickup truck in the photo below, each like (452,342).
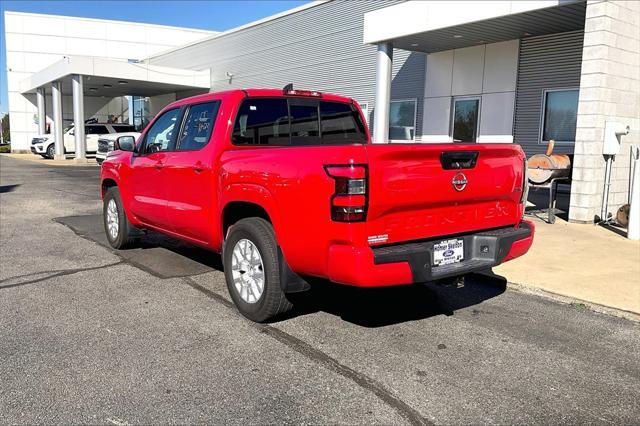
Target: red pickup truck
(287,185)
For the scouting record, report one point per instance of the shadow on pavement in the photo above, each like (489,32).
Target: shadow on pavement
(7,188)
(166,257)
(157,254)
(377,307)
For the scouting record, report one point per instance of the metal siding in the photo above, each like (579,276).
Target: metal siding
(318,48)
(545,62)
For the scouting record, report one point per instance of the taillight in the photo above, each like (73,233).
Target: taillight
(349,201)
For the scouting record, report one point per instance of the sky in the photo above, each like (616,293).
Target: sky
(207,15)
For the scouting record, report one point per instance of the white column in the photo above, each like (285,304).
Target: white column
(42,115)
(56,97)
(384,61)
(78,116)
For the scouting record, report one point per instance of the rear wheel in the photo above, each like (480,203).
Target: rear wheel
(120,233)
(252,272)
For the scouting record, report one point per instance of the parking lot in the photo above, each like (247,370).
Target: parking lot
(149,335)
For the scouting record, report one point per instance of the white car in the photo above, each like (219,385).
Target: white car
(44,145)
(106,144)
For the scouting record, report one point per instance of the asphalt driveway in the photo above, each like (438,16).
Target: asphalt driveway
(89,335)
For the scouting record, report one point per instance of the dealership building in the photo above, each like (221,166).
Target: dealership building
(423,72)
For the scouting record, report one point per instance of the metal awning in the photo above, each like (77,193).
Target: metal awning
(112,78)
(437,26)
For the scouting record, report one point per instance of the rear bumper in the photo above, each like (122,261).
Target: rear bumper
(412,262)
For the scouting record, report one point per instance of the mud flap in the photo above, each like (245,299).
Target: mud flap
(289,280)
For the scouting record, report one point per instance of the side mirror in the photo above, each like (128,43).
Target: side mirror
(126,143)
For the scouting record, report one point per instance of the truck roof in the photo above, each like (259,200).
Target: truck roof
(256,93)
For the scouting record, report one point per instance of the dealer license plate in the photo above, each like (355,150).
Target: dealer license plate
(449,251)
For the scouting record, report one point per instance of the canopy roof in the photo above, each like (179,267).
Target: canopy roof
(111,78)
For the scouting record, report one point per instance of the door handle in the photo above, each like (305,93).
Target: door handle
(159,165)
(198,167)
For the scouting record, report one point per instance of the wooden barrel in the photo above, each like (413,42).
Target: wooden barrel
(544,167)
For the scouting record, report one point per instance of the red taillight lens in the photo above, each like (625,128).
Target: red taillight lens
(349,201)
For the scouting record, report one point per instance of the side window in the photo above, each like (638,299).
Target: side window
(160,135)
(197,127)
(304,122)
(123,128)
(340,123)
(560,112)
(95,130)
(262,121)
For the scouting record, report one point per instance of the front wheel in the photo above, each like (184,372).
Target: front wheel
(51,152)
(252,272)
(120,233)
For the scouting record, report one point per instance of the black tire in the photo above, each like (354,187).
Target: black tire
(51,152)
(126,236)
(99,161)
(273,300)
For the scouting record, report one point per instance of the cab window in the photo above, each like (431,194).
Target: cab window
(160,136)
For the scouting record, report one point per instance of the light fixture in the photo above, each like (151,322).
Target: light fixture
(122,82)
(526,34)
(106,85)
(92,89)
(414,44)
(457,36)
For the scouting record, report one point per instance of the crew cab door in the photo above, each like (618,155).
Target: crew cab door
(148,181)
(189,174)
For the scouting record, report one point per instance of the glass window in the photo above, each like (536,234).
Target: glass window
(262,121)
(465,119)
(364,106)
(160,135)
(197,127)
(402,120)
(340,122)
(560,113)
(304,122)
(122,128)
(141,111)
(95,130)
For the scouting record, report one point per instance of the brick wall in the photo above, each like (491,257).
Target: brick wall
(609,91)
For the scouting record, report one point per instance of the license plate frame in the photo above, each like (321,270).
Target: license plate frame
(447,252)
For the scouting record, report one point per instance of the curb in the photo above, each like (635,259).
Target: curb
(578,303)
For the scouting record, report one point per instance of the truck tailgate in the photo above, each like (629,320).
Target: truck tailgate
(422,191)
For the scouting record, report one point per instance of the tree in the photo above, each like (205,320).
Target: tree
(6,135)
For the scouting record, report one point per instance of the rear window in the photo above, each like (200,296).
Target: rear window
(341,123)
(297,121)
(262,121)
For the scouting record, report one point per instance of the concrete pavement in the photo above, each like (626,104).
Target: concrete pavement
(91,335)
(585,262)
(89,161)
